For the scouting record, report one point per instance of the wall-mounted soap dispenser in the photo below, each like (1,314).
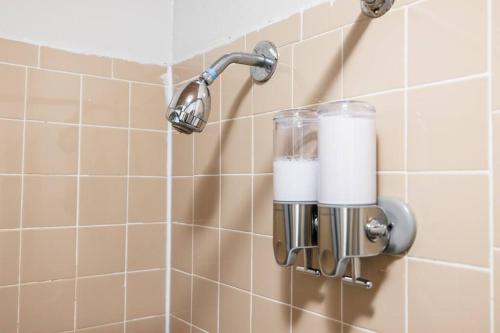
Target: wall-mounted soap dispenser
(349,222)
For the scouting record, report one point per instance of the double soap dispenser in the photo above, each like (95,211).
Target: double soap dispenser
(325,192)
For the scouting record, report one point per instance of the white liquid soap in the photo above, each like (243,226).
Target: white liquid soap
(295,180)
(347,154)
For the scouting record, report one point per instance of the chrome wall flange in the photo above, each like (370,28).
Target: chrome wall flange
(269,51)
(376,8)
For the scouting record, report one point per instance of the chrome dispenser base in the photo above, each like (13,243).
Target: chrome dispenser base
(294,228)
(347,233)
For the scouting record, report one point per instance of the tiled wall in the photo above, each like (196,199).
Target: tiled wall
(431,68)
(82,193)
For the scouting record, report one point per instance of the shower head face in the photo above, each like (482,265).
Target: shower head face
(189,109)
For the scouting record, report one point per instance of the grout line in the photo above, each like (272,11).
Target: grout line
(491,192)
(252,217)
(406,177)
(127,200)
(80,123)
(84,74)
(75,306)
(450,264)
(342,96)
(82,277)
(21,217)
(168,245)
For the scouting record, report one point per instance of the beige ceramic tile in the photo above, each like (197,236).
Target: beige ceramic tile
(51,149)
(497,287)
(215,101)
(105,102)
(276,93)
(103,200)
(182,150)
(317,76)
(47,307)
(180,299)
(495,54)
(386,35)
(148,254)
(8,308)
(182,247)
(148,325)
(74,62)
(455,34)
(133,71)
(187,69)
(148,153)
(206,253)
(390,130)
(197,330)
(447,299)
(145,294)
(100,300)
(305,322)
(113,328)
(366,308)
(178,326)
(147,107)
(10,201)
(391,185)
(236,83)
(147,200)
(205,297)
(53,96)
(49,201)
(321,295)
(104,151)
(234,314)
(236,149)
(206,200)
(435,200)
(207,150)
(269,279)
(268,316)
(182,200)
(448,127)
(12,90)
(18,52)
(11,145)
(263,204)
(496,177)
(101,250)
(402,3)
(280,33)
(329,16)
(48,254)
(236,203)
(235,259)
(236,93)
(263,143)
(9,258)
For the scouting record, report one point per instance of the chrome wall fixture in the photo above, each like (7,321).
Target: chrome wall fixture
(376,8)
(325,196)
(190,108)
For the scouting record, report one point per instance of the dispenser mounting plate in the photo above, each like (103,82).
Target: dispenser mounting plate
(402,223)
(270,51)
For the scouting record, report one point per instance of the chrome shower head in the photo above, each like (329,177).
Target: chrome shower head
(190,107)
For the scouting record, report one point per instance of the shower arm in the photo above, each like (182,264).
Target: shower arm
(263,63)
